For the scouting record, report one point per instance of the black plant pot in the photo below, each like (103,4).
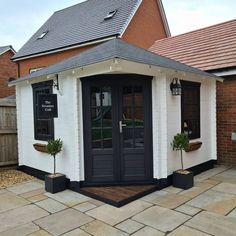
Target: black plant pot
(183,180)
(55,183)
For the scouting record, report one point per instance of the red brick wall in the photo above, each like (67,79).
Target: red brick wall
(43,61)
(7,69)
(226,121)
(144,29)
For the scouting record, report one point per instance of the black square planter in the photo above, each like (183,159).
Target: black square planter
(55,183)
(183,180)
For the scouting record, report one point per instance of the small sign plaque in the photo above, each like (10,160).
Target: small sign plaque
(47,106)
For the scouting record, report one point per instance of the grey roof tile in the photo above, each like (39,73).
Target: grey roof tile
(78,24)
(5,48)
(115,48)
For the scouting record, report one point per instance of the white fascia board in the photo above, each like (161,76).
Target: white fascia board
(164,18)
(9,49)
(130,19)
(65,49)
(117,65)
(225,72)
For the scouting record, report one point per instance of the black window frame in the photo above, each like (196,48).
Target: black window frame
(37,87)
(196,87)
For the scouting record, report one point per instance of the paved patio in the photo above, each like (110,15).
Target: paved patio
(209,208)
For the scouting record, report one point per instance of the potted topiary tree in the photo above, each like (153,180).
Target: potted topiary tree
(181,178)
(55,182)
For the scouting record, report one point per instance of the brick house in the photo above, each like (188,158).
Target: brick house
(212,49)
(7,69)
(77,28)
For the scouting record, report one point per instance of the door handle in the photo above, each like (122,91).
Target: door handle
(121,126)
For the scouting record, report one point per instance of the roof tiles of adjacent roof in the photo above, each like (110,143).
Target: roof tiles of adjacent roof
(80,24)
(4,49)
(210,48)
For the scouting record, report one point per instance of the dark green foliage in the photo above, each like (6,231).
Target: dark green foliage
(180,143)
(53,148)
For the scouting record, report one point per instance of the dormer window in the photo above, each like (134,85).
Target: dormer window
(110,15)
(43,34)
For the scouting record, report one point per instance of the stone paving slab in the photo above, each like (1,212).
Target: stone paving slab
(170,200)
(152,196)
(21,230)
(68,197)
(112,215)
(213,224)
(161,218)
(3,191)
(129,226)
(232,213)
(226,188)
(33,193)
(20,216)
(51,205)
(148,231)
(40,233)
(25,187)
(196,190)
(228,176)
(63,221)
(76,232)
(86,206)
(214,201)
(186,231)
(37,198)
(210,173)
(189,210)
(98,228)
(10,201)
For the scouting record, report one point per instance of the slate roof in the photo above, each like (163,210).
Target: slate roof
(4,49)
(210,48)
(112,49)
(79,24)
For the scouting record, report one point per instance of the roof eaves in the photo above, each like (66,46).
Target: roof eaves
(65,48)
(7,49)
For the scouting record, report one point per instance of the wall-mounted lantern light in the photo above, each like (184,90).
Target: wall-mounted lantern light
(56,82)
(175,87)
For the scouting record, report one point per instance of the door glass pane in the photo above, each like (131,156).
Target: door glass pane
(128,116)
(107,117)
(96,117)
(138,96)
(106,96)
(133,117)
(96,138)
(107,138)
(139,137)
(138,111)
(95,96)
(128,138)
(127,96)
(101,117)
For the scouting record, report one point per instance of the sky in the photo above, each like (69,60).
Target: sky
(20,19)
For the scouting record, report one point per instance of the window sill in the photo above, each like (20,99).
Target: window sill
(40,147)
(193,146)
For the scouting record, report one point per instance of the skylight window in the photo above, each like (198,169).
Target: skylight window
(110,15)
(43,34)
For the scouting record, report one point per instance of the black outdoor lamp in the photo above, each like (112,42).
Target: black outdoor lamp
(175,87)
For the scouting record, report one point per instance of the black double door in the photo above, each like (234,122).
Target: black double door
(117,129)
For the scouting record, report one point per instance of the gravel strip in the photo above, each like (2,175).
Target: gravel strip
(11,177)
